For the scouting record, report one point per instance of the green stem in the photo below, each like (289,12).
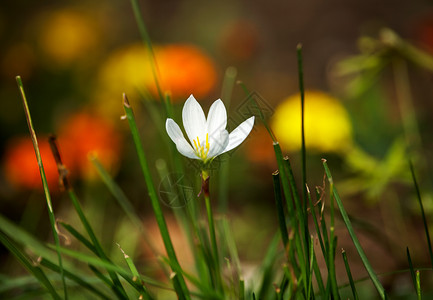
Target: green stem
(405,102)
(211,223)
(44,181)
(183,291)
(352,234)
(147,41)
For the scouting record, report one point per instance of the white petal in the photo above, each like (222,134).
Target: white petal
(240,133)
(217,118)
(194,120)
(177,137)
(218,142)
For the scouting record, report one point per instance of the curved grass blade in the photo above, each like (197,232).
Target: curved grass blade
(280,209)
(183,291)
(144,294)
(412,270)
(352,234)
(34,270)
(147,41)
(424,219)
(44,179)
(349,275)
(72,276)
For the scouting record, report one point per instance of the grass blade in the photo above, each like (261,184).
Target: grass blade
(148,43)
(349,274)
(144,294)
(267,268)
(79,237)
(412,270)
(418,285)
(280,209)
(183,291)
(424,219)
(355,240)
(123,201)
(34,270)
(72,276)
(44,179)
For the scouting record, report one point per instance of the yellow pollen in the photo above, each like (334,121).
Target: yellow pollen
(202,150)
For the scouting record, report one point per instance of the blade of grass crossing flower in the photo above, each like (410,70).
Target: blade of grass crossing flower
(144,294)
(355,240)
(280,209)
(303,155)
(183,291)
(418,285)
(34,270)
(332,278)
(421,206)
(148,42)
(349,275)
(44,179)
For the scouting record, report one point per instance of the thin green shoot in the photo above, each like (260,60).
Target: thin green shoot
(353,236)
(34,270)
(44,180)
(412,270)
(349,275)
(421,206)
(182,291)
(148,43)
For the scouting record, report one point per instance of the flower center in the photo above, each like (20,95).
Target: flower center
(202,150)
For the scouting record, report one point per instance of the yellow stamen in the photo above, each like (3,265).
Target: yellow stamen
(202,150)
(207,143)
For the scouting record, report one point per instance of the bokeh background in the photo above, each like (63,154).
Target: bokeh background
(368,76)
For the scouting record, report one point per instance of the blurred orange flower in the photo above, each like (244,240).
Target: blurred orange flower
(183,70)
(83,134)
(21,167)
(260,146)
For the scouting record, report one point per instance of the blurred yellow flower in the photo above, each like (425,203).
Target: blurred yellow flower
(327,123)
(183,70)
(66,36)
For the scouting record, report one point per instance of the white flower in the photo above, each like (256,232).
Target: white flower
(209,137)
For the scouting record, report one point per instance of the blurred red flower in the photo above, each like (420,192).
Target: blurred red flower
(83,134)
(21,167)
